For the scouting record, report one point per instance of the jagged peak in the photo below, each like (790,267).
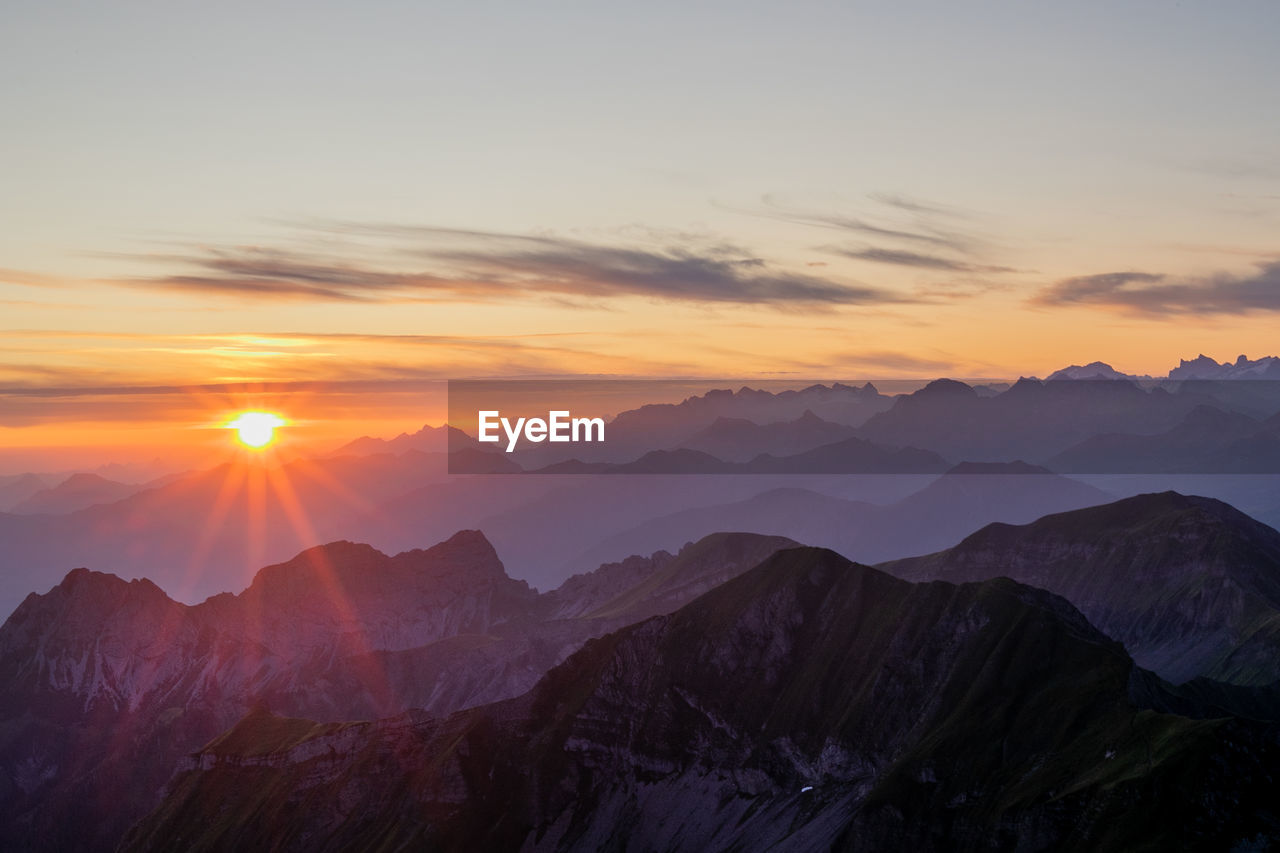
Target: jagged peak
(80,579)
(86,591)
(470,545)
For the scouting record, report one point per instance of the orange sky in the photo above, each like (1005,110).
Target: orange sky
(357,208)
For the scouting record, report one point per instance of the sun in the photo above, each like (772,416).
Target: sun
(256,429)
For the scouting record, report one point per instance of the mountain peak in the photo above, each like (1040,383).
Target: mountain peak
(1093,370)
(946,387)
(469,548)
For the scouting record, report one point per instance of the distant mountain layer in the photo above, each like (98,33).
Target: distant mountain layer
(741,440)
(1190,585)
(16,488)
(810,704)
(937,516)
(847,456)
(77,492)
(1207,440)
(1201,367)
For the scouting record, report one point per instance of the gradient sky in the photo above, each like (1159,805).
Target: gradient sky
(364,198)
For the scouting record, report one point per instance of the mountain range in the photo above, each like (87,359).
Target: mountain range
(810,704)
(785,693)
(339,632)
(1201,367)
(936,516)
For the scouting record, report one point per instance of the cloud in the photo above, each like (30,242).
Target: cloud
(919,260)
(894,218)
(1152,293)
(913,205)
(452,264)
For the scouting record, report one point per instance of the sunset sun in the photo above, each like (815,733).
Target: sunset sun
(256,429)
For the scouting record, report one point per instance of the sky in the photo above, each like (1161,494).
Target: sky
(330,208)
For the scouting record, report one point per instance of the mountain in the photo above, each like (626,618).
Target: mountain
(1200,367)
(852,456)
(99,666)
(476,668)
(848,456)
(341,631)
(810,704)
(16,488)
(1203,367)
(741,440)
(669,425)
(1093,370)
(1190,585)
(800,514)
(211,529)
(1207,440)
(967,497)
(939,515)
(429,439)
(1032,420)
(74,493)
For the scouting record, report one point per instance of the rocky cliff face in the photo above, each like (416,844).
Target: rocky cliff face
(474,669)
(339,632)
(105,682)
(1190,585)
(810,704)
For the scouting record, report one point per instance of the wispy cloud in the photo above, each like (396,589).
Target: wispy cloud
(1155,293)
(917,232)
(440,264)
(920,260)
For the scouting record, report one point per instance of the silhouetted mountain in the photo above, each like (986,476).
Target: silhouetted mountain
(799,514)
(75,493)
(849,456)
(810,704)
(852,456)
(429,439)
(16,488)
(741,440)
(666,425)
(1190,585)
(1208,440)
(1093,370)
(939,515)
(1032,420)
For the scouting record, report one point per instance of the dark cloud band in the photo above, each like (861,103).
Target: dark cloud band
(1152,293)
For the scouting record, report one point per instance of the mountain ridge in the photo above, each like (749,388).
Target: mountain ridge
(810,703)
(1190,584)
